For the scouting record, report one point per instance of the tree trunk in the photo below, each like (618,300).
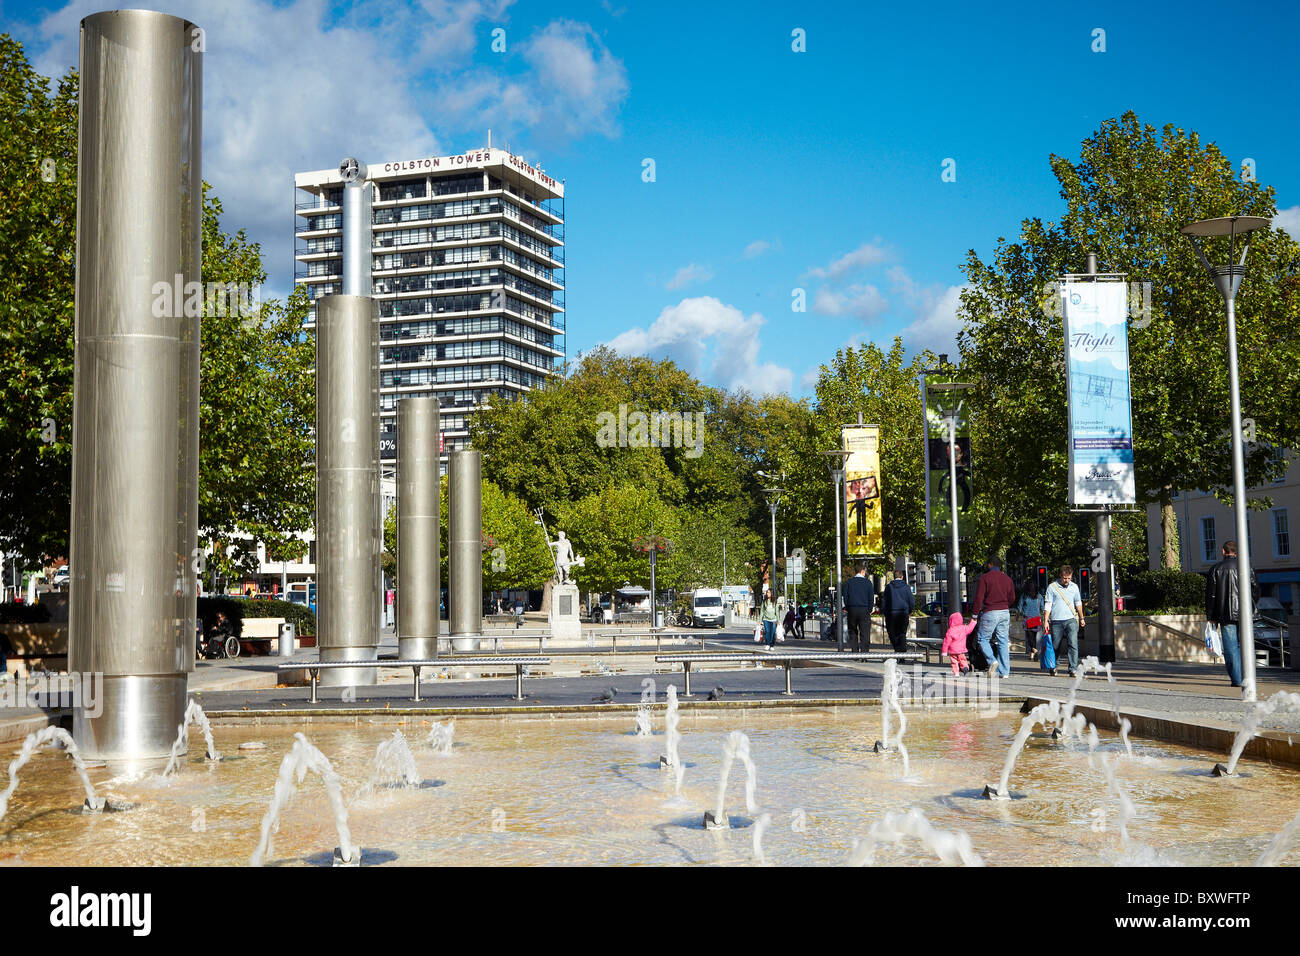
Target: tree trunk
(1168,530)
(546,596)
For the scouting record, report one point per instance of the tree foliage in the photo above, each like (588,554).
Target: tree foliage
(256,388)
(1126,199)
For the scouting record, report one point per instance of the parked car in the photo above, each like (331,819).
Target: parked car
(61,577)
(1271,632)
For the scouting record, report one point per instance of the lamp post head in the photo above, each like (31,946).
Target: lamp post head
(835,460)
(1227,278)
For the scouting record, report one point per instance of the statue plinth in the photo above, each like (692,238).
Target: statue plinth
(566,624)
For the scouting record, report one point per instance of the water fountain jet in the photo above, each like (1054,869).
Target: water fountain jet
(193,714)
(1281,701)
(737,745)
(301,758)
(1049,712)
(93,804)
(948,846)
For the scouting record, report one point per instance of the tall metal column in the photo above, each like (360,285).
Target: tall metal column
(465,589)
(419,587)
(348,524)
(133,545)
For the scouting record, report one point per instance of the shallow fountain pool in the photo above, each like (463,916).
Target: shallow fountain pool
(524,790)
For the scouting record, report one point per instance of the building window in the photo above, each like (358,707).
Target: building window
(1208,552)
(1281,534)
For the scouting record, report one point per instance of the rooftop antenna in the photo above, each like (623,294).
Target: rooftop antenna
(489,139)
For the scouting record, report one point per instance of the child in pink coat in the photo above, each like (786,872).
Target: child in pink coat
(954,644)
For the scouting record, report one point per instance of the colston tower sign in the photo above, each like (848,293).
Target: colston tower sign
(473,159)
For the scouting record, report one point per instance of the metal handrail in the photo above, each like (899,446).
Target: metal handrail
(314,668)
(784,657)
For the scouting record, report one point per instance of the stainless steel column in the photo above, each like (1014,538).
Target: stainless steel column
(465,590)
(136,379)
(348,524)
(357,196)
(419,586)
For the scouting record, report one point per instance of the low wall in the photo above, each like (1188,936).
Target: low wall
(37,646)
(1153,637)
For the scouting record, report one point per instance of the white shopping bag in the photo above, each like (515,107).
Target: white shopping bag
(1213,639)
(758,633)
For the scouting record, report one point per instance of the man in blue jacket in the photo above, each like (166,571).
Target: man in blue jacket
(859,598)
(897,603)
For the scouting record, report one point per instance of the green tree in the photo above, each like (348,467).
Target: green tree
(256,413)
(603,527)
(1126,199)
(38,133)
(256,391)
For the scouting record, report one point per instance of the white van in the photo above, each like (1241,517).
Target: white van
(706,607)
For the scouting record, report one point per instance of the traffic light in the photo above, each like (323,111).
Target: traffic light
(1042,578)
(1084,577)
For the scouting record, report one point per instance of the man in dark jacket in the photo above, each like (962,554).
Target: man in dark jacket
(994,596)
(1223,606)
(897,603)
(859,598)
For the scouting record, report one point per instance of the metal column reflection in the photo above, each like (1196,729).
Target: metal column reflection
(465,527)
(348,524)
(135,432)
(419,553)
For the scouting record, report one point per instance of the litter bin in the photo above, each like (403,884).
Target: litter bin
(659,619)
(286,640)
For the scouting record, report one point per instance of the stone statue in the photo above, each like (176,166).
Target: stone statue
(564,558)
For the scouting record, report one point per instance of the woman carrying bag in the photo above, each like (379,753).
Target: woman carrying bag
(770,616)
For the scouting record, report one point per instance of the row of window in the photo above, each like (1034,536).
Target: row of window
(455,256)
(1279,522)
(493,371)
(448,423)
(431,305)
(461,279)
(447,398)
(470,325)
(478,348)
(461,230)
(439,210)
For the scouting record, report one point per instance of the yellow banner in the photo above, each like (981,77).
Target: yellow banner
(863,531)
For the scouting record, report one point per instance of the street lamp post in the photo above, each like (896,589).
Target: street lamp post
(773,503)
(835,460)
(1227,279)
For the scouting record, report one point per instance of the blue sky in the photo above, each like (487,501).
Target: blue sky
(774,170)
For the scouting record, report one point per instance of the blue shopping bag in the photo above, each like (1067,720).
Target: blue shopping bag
(1046,652)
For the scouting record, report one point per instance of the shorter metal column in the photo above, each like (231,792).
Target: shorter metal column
(519,682)
(788,691)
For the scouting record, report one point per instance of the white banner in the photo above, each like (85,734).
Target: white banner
(1097,382)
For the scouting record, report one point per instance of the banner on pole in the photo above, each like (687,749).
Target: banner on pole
(944,398)
(1097,382)
(864,532)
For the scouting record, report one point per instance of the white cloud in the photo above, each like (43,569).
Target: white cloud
(868,254)
(296,86)
(757,248)
(711,340)
(864,301)
(937,324)
(688,274)
(1288,219)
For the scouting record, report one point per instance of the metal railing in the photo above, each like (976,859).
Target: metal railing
(786,658)
(314,668)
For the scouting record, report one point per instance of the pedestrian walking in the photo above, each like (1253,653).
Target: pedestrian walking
(994,597)
(1223,606)
(954,644)
(1063,612)
(859,597)
(769,617)
(800,613)
(1031,613)
(896,604)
